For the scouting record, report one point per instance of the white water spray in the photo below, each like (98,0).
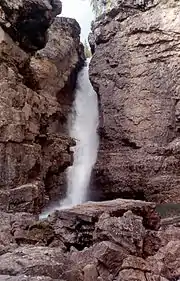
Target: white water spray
(83,124)
(83,128)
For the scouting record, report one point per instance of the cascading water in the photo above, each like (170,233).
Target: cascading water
(83,128)
(83,124)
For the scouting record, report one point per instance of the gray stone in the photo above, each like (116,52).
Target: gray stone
(27,21)
(33,261)
(135,72)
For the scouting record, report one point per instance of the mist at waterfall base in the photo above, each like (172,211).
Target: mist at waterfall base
(82,126)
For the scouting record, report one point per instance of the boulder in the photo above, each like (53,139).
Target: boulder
(91,222)
(166,262)
(95,241)
(33,261)
(126,231)
(90,273)
(7,222)
(130,274)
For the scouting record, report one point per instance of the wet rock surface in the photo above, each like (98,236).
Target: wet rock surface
(36,93)
(135,72)
(91,242)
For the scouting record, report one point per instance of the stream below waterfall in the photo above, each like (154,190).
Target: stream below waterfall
(82,126)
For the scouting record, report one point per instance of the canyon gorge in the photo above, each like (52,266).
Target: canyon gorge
(131,229)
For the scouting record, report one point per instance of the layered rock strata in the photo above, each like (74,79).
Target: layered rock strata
(38,68)
(135,70)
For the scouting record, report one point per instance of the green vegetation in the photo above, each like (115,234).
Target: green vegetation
(96,7)
(100,6)
(87,50)
(168,209)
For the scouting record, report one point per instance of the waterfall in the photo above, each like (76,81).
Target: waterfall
(82,126)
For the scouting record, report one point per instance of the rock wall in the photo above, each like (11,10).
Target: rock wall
(135,70)
(117,240)
(38,68)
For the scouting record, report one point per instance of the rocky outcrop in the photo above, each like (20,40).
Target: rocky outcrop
(36,86)
(135,70)
(110,241)
(27,21)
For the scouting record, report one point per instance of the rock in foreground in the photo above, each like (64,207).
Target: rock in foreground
(110,241)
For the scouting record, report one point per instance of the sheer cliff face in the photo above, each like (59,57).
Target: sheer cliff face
(135,70)
(35,98)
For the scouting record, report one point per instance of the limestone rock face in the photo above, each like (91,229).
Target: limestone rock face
(36,93)
(135,70)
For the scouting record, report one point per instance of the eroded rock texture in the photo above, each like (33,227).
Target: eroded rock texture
(27,21)
(135,70)
(35,99)
(108,241)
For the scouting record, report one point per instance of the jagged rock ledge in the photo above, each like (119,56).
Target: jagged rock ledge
(118,240)
(40,56)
